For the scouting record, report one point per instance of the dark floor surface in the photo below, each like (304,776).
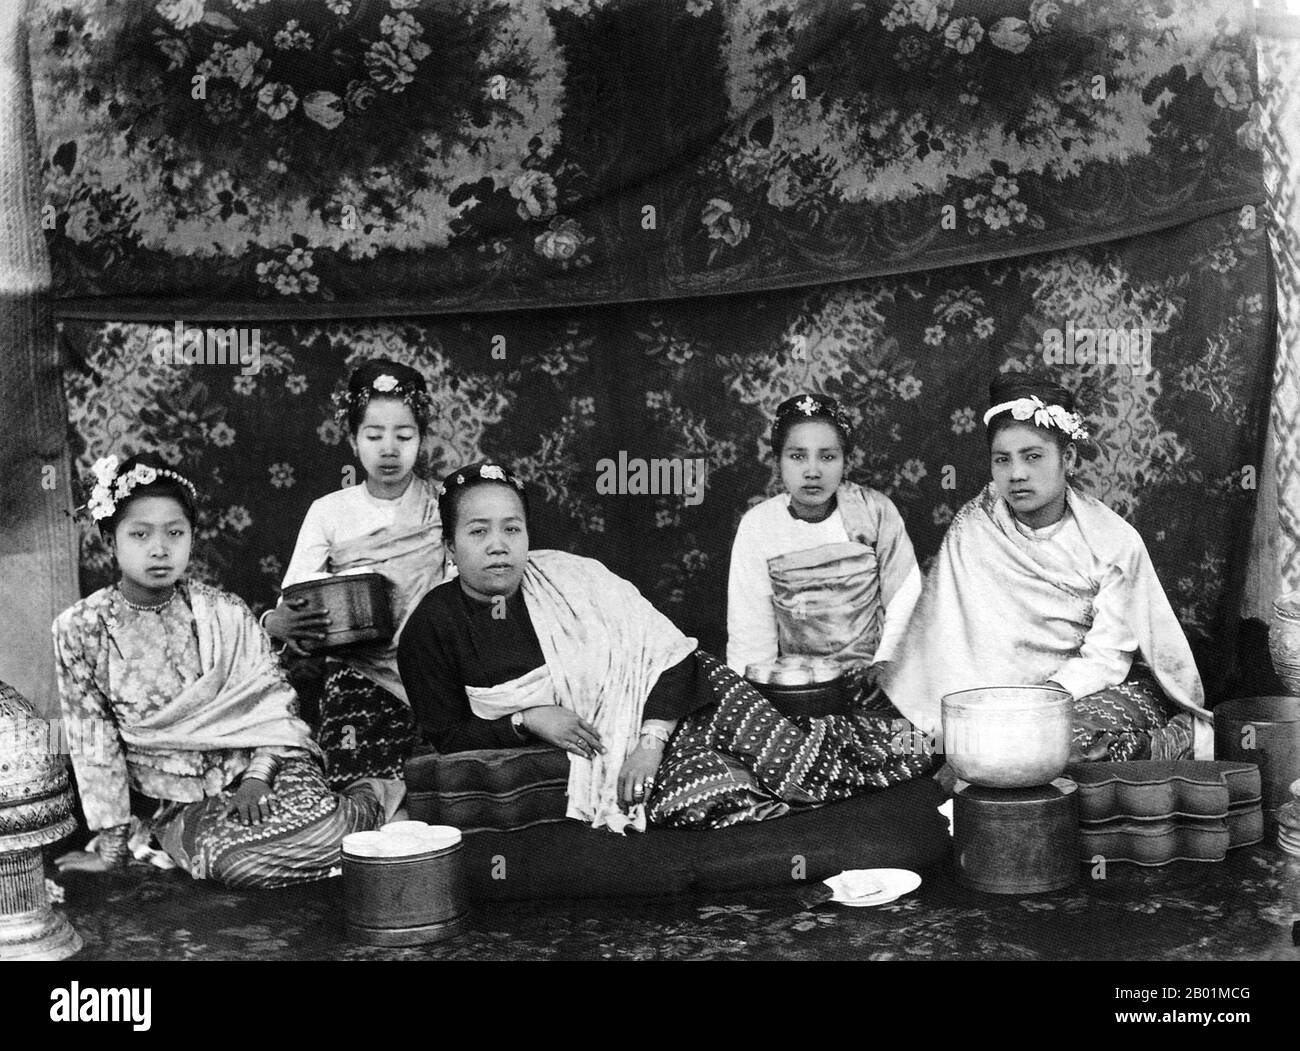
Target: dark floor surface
(1242,908)
(1245,908)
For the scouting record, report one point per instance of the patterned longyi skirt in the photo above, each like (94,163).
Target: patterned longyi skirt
(1133,720)
(300,843)
(739,759)
(365,731)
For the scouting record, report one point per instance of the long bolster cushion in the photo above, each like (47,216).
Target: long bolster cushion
(898,827)
(489,789)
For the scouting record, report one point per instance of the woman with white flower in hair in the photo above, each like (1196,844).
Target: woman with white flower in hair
(1039,583)
(388,524)
(169,687)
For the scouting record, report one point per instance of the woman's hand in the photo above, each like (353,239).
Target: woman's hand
(83,861)
(637,778)
(296,626)
(251,803)
(564,729)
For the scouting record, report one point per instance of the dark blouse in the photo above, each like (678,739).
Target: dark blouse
(452,641)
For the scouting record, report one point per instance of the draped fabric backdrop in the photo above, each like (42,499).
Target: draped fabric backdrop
(1280,119)
(38,568)
(732,200)
(380,156)
(911,356)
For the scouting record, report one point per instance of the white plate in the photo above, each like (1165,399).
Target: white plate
(894,883)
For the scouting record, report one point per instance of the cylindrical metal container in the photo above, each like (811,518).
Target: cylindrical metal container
(410,899)
(1265,731)
(1016,841)
(1008,736)
(359,604)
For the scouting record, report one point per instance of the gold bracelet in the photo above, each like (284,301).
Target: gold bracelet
(262,768)
(113,844)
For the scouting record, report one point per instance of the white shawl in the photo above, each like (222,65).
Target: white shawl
(990,615)
(605,647)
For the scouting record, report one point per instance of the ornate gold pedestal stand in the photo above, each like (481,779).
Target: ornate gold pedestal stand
(35,809)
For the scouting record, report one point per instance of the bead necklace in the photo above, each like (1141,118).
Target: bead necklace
(139,608)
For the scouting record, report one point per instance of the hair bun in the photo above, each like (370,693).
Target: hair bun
(367,372)
(1008,386)
(807,406)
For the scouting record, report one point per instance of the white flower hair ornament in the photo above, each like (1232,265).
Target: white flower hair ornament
(385,385)
(811,406)
(1043,415)
(105,470)
(111,488)
(491,471)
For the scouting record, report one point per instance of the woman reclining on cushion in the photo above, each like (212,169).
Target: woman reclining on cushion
(527,646)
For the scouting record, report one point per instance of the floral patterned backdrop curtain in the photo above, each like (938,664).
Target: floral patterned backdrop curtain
(907,196)
(910,356)
(380,156)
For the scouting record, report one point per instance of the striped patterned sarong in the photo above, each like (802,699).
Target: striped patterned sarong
(1133,720)
(740,759)
(301,842)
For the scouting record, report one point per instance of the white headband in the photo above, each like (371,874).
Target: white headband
(1042,414)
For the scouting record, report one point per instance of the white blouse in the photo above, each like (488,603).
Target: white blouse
(338,517)
(1106,653)
(767,530)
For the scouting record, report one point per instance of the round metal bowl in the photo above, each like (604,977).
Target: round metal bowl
(1008,736)
(821,698)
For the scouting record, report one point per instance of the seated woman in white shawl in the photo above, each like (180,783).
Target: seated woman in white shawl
(1038,582)
(543,646)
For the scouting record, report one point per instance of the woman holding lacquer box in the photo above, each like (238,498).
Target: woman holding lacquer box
(388,525)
